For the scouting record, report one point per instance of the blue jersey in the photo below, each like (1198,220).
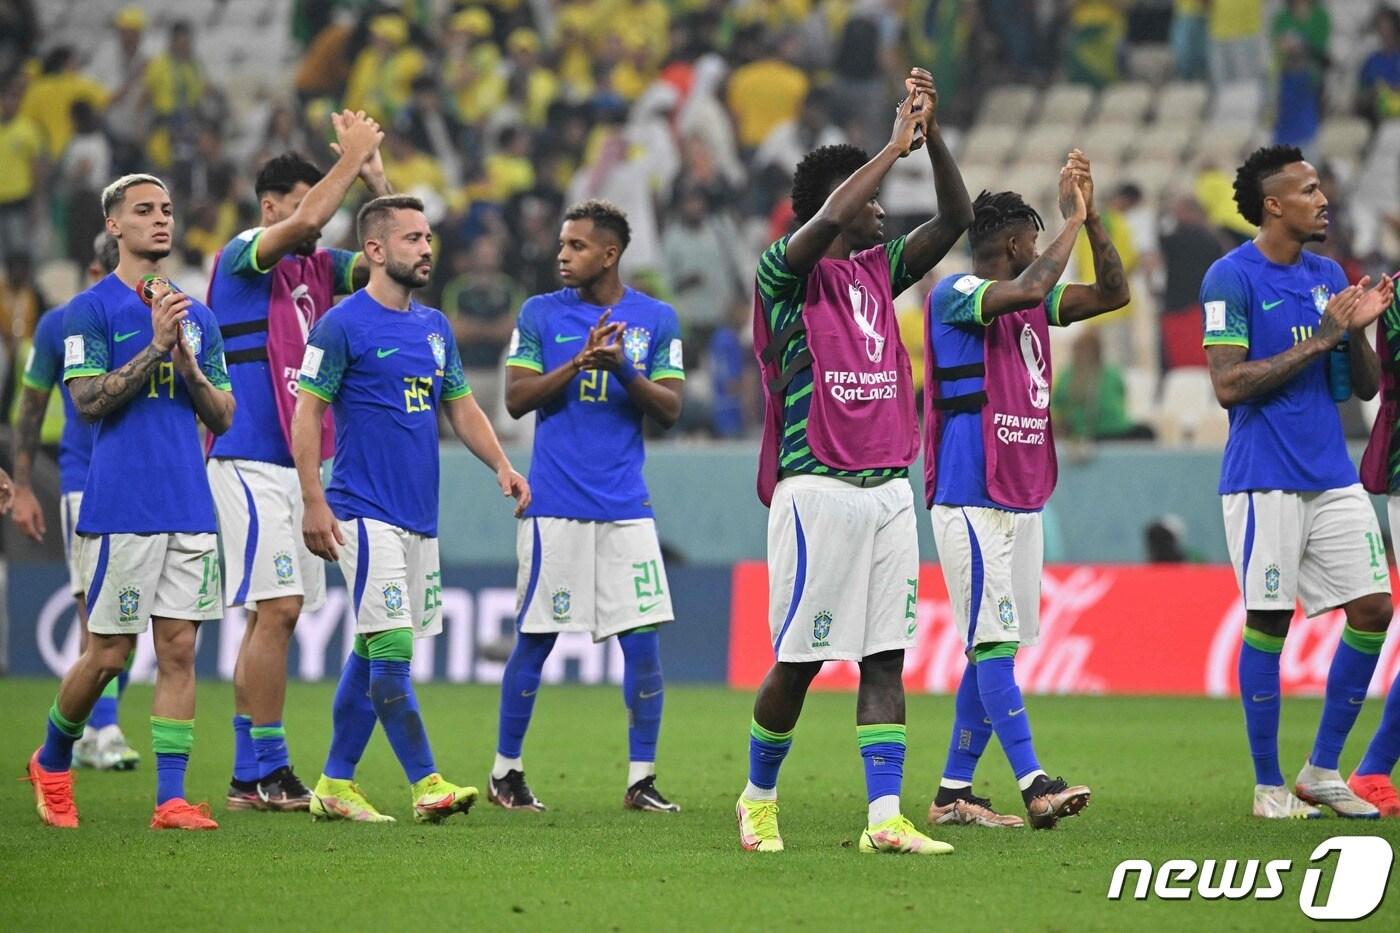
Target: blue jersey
(45,370)
(146,475)
(384,372)
(1290,439)
(955,326)
(587,460)
(240,294)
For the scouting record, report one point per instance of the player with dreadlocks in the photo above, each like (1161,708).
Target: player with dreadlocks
(989,467)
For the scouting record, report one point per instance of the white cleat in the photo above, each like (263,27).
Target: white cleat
(1274,802)
(1327,789)
(85,749)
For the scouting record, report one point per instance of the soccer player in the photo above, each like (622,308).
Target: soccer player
(103,746)
(839,434)
(143,375)
(1298,524)
(592,359)
(989,467)
(270,285)
(387,364)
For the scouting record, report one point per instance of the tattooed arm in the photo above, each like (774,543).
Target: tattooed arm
(28,514)
(96,397)
(1110,289)
(1032,286)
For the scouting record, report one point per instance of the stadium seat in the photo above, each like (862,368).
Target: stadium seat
(1009,105)
(1150,62)
(1182,100)
(1140,390)
(1224,142)
(1165,139)
(58,279)
(1066,104)
(990,144)
(1343,138)
(1237,104)
(1050,140)
(1125,103)
(1107,142)
(1187,399)
(1034,180)
(1213,430)
(1155,176)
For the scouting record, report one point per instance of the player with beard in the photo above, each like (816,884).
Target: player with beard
(270,285)
(386,364)
(142,361)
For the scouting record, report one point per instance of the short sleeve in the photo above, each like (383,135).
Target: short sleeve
(327,357)
(775,279)
(666,351)
(211,360)
(959,300)
(84,339)
(343,270)
(1225,306)
(1052,304)
(900,276)
(454,377)
(45,366)
(240,256)
(525,350)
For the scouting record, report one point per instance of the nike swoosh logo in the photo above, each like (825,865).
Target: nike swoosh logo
(560,338)
(381,352)
(528,693)
(1355,702)
(914,627)
(205,603)
(645,609)
(647,696)
(1271,305)
(1263,697)
(1017,712)
(120,337)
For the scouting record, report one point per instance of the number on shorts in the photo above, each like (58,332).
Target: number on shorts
(432,597)
(1376,546)
(647,580)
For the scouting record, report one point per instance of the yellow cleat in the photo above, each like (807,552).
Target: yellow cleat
(434,800)
(343,800)
(898,835)
(758,825)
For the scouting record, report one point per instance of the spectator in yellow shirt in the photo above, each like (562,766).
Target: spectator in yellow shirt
(51,96)
(766,93)
(382,77)
(541,84)
(409,170)
(509,170)
(175,88)
(22,154)
(471,66)
(1236,28)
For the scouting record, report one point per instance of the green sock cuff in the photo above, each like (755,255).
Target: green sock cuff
(171,736)
(1365,642)
(393,645)
(64,724)
(268,732)
(995,649)
(112,690)
(1262,642)
(885,733)
(765,735)
(361,646)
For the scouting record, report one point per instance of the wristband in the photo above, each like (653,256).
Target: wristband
(626,372)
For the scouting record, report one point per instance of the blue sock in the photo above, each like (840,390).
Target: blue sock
(1259,692)
(642,691)
(1001,698)
(270,744)
(170,777)
(104,711)
(882,751)
(767,749)
(396,706)
(1384,749)
(57,753)
(352,716)
(1347,680)
(123,679)
(245,756)
(971,729)
(519,684)
(172,740)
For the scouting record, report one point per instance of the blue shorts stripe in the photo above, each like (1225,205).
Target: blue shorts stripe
(536,551)
(1248,548)
(799,579)
(978,575)
(99,573)
(250,547)
(361,562)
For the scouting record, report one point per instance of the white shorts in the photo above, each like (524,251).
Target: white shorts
(582,576)
(394,576)
(68,505)
(130,578)
(1322,549)
(992,561)
(265,556)
(843,569)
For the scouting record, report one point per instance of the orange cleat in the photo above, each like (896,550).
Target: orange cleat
(53,794)
(1376,790)
(177,813)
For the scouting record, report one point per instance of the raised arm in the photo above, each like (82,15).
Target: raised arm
(1032,286)
(930,241)
(1110,289)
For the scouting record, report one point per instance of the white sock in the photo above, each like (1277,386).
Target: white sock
(637,770)
(753,792)
(954,785)
(503,764)
(883,808)
(1029,779)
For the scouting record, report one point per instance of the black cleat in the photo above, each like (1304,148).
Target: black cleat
(643,795)
(512,793)
(243,795)
(282,791)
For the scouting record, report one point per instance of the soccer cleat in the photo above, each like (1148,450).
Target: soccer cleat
(1377,790)
(283,791)
(758,825)
(972,811)
(85,749)
(1274,802)
(177,813)
(343,800)
(1053,800)
(53,794)
(434,799)
(1325,788)
(512,793)
(643,795)
(899,836)
(243,795)
(113,753)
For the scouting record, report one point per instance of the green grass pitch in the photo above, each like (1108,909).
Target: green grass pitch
(1171,779)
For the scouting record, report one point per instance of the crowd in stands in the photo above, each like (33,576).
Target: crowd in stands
(689,114)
